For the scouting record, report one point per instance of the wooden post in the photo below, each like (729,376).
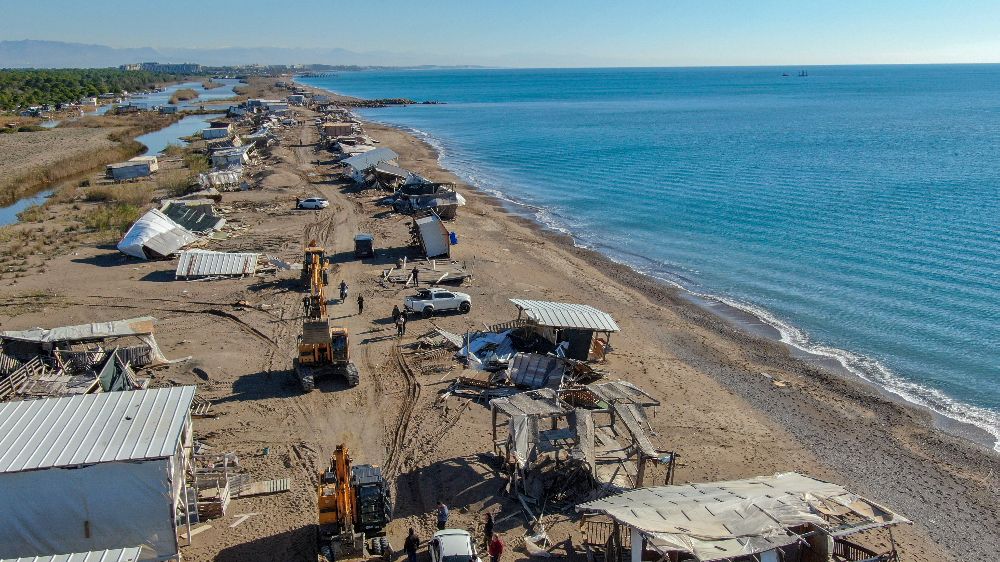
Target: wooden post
(642,470)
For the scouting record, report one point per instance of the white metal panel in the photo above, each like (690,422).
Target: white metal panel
(93,428)
(566,315)
(112,555)
(102,506)
(201,263)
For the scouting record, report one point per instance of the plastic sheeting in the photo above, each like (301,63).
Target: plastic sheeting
(121,504)
(154,235)
(488,347)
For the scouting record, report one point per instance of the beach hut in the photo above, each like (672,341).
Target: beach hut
(787,516)
(133,168)
(296,99)
(216,133)
(233,157)
(95,471)
(574,329)
(338,129)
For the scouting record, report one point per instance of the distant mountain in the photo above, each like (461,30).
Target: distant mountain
(57,54)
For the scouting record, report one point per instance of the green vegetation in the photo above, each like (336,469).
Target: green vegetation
(183,94)
(22,129)
(111,219)
(27,87)
(197,163)
(34,213)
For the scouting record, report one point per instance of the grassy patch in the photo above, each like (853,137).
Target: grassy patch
(197,163)
(173,150)
(126,194)
(211,85)
(111,218)
(34,213)
(174,182)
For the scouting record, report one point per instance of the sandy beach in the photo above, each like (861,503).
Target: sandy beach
(734,404)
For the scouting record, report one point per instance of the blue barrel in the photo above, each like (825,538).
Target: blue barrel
(454,238)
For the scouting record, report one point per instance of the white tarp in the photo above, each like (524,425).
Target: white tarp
(486,347)
(119,504)
(154,235)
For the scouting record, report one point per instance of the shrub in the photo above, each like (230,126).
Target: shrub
(174,182)
(173,150)
(197,163)
(34,213)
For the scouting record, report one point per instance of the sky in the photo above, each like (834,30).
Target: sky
(540,32)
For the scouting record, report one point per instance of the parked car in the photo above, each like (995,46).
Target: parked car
(452,545)
(434,299)
(314,203)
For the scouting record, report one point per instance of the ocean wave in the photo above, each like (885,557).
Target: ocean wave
(866,368)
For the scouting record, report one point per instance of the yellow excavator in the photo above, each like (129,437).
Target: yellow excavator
(323,349)
(354,503)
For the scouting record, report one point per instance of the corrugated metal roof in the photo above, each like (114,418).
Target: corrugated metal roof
(83,332)
(194,263)
(156,233)
(371,158)
(566,315)
(112,555)
(193,216)
(92,428)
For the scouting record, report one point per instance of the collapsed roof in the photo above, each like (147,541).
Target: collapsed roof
(154,235)
(723,520)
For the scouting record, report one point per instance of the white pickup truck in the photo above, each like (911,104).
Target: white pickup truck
(429,301)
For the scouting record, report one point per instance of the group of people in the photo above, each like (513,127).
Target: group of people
(494,544)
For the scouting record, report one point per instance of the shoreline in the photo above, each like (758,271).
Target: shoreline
(754,322)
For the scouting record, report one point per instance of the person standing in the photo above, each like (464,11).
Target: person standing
(496,548)
(488,529)
(402,323)
(361,304)
(416,277)
(395,314)
(442,516)
(411,545)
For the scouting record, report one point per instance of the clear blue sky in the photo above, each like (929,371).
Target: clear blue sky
(541,32)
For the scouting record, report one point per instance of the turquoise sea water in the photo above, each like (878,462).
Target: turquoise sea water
(856,209)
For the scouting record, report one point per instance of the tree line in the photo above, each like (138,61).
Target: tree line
(21,88)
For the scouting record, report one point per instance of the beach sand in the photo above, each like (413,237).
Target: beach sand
(719,411)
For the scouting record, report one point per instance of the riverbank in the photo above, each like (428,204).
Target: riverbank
(874,443)
(34,160)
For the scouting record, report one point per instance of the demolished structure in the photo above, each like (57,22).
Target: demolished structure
(787,516)
(359,165)
(83,359)
(154,236)
(203,263)
(557,448)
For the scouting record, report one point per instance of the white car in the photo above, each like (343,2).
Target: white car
(452,545)
(314,203)
(435,299)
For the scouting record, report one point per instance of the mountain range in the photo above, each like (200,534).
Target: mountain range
(30,53)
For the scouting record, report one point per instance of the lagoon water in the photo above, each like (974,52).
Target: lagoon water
(856,209)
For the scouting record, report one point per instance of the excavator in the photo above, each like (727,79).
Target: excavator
(323,349)
(354,502)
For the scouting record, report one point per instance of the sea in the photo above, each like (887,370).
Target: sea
(855,209)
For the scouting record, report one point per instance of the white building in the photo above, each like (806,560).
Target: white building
(215,133)
(138,167)
(95,471)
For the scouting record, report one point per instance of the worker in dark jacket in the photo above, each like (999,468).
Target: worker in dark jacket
(411,545)
(361,304)
(488,529)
